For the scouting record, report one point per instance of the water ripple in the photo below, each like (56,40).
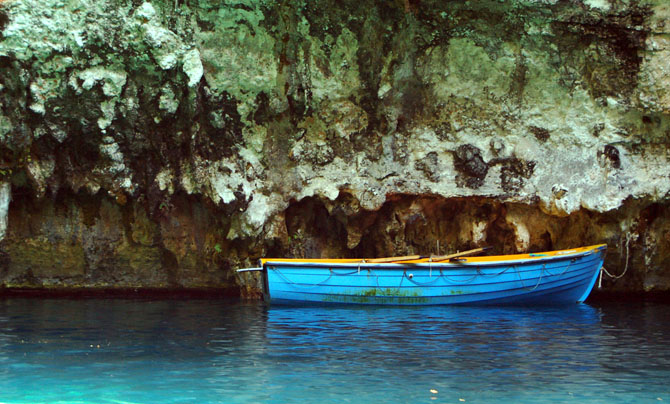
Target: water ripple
(135,351)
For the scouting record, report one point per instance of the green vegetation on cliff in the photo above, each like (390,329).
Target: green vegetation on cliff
(207,123)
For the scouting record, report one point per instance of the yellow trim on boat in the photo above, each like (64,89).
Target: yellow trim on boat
(492,258)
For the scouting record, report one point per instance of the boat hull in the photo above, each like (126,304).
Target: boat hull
(545,279)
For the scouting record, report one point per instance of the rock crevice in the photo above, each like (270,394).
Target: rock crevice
(163,144)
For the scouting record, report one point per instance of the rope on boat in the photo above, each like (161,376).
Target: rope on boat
(625,269)
(323,282)
(494,275)
(538,280)
(404,275)
(344,274)
(442,275)
(452,281)
(572,261)
(294,284)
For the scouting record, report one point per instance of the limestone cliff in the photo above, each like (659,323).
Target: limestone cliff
(166,143)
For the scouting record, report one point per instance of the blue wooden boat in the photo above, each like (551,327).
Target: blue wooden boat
(548,278)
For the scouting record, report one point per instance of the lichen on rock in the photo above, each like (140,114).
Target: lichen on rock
(5,196)
(165,143)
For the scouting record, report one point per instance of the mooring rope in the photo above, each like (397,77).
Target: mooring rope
(625,269)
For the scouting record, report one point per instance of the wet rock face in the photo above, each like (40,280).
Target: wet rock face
(610,155)
(514,173)
(469,163)
(161,143)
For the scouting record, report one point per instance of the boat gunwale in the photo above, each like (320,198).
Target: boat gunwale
(543,274)
(499,260)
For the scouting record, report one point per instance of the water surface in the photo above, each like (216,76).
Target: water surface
(212,351)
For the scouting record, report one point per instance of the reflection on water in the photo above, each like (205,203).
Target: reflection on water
(485,351)
(172,351)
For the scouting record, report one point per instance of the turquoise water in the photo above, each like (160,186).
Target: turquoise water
(200,351)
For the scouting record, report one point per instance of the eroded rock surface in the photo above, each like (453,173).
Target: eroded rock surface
(167,143)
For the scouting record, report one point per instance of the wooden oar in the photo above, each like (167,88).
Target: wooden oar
(395,259)
(436,258)
(459,254)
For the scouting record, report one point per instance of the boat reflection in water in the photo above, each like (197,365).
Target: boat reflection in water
(500,352)
(209,351)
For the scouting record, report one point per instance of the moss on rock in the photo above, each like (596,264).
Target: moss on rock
(145,133)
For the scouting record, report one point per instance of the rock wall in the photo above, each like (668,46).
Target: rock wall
(167,143)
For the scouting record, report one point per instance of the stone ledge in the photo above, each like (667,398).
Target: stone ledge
(232,294)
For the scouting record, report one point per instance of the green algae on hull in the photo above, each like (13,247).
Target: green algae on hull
(379,296)
(384,296)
